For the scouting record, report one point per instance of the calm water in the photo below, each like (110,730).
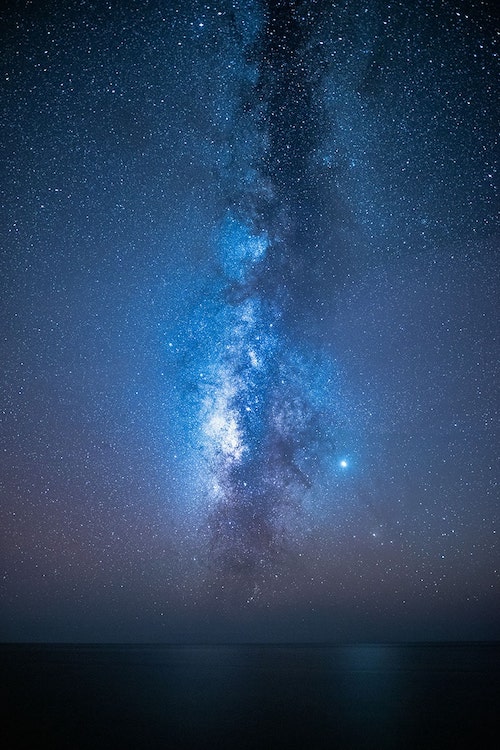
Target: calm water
(366,696)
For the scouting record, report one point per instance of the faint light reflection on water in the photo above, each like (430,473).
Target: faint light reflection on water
(374,691)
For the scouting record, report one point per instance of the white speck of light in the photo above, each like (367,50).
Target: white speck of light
(343,464)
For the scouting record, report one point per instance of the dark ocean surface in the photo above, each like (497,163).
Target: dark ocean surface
(250,696)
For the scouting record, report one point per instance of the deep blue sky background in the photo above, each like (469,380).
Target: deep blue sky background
(145,147)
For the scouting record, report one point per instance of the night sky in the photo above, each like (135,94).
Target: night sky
(249,321)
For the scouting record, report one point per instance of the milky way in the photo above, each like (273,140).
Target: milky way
(263,432)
